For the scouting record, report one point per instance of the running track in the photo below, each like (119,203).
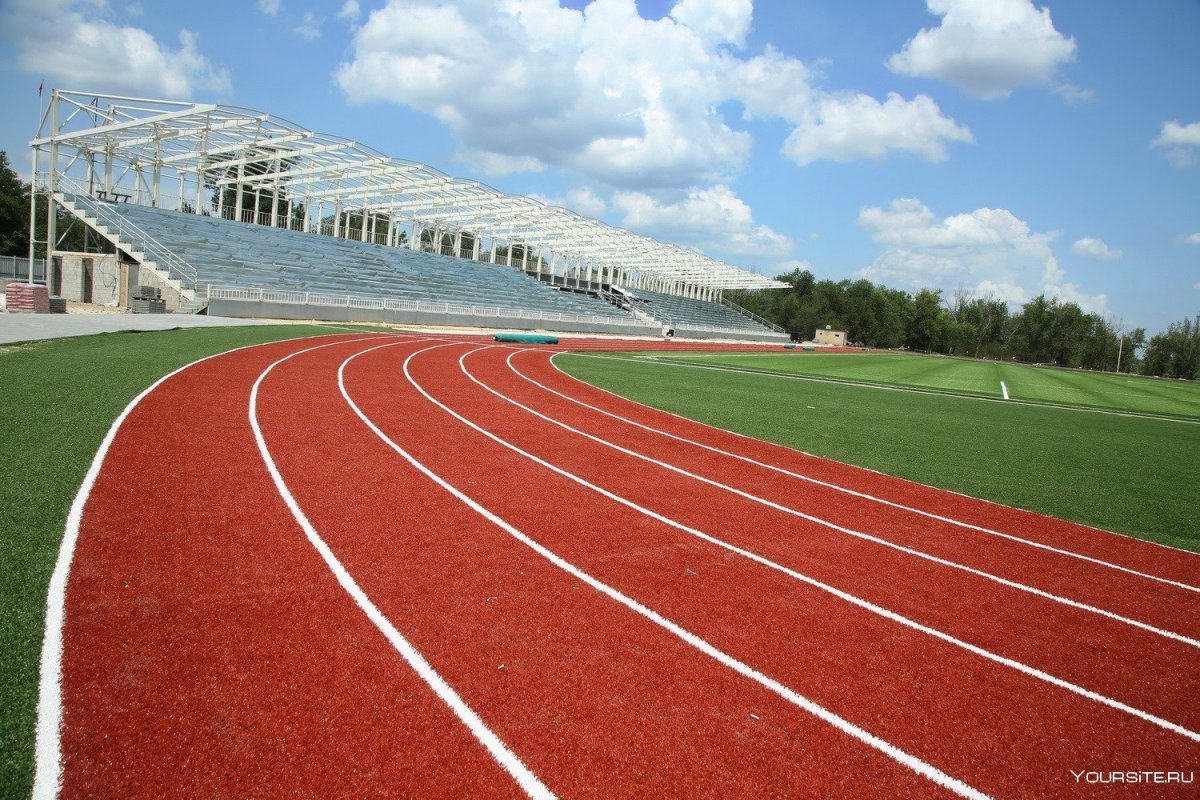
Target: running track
(433,566)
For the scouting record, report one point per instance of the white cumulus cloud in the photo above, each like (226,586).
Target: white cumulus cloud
(349,11)
(1192,239)
(269,7)
(1182,142)
(850,127)
(91,50)
(628,101)
(713,218)
(986,47)
(1096,250)
(990,251)
(716,21)
(582,200)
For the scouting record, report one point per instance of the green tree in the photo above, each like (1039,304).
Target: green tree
(1175,353)
(928,324)
(14,211)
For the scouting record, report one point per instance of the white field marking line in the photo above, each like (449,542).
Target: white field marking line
(884,387)
(499,751)
(572,378)
(1004,390)
(848,491)
(839,528)
(845,726)
(47,778)
(840,594)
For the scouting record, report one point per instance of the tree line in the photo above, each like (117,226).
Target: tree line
(1043,331)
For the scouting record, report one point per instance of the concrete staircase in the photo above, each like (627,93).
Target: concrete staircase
(159,266)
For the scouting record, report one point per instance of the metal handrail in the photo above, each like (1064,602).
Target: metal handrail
(130,235)
(747,312)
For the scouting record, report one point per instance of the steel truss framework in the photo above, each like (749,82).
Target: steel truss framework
(193,156)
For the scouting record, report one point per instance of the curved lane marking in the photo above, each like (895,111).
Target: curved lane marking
(48,768)
(867,605)
(911,762)
(836,487)
(499,751)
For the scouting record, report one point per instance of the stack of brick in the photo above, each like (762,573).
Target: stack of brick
(28,298)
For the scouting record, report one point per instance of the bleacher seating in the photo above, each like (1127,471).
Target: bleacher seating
(686,311)
(233,254)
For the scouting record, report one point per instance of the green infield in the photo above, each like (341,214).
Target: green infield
(1021,382)
(1137,475)
(60,398)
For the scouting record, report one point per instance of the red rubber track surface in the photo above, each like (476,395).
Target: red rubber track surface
(209,650)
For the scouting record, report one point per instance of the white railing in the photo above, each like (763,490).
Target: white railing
(393,304)
(130,235)
(17,267)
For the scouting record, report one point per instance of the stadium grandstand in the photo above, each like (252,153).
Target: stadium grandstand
(235,212)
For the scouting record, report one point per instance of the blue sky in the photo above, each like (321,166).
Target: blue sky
(1003,147)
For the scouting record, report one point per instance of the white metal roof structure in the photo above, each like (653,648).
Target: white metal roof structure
(186,156)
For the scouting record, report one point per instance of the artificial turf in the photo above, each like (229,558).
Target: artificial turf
(58,400)
(1131,474)
(1129,393)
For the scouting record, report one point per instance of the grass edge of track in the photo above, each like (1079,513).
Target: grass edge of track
(61,398)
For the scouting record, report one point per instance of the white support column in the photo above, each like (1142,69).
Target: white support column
(475,247)
(156,187)
(33,210)
(275,205)
(51,179)
(107,167)
(238,210)
(337,218)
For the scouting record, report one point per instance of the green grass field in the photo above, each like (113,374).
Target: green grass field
(1132,474)
(1129,393)
(59,398)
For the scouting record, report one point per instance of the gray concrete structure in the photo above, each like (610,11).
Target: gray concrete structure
(31,327)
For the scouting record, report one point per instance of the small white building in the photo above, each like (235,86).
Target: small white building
(830,337)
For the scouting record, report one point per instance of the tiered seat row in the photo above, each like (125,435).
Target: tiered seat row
(233,254)
(685,311)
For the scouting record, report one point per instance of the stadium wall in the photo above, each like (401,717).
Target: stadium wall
(256,309)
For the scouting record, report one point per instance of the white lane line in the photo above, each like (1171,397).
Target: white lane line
(839,528)
(499,751)
(867,605)
(845,726)
(1004,390)
(852,492)
(47,777)
(880,386)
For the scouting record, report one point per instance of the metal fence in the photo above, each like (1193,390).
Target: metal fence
(14,267)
